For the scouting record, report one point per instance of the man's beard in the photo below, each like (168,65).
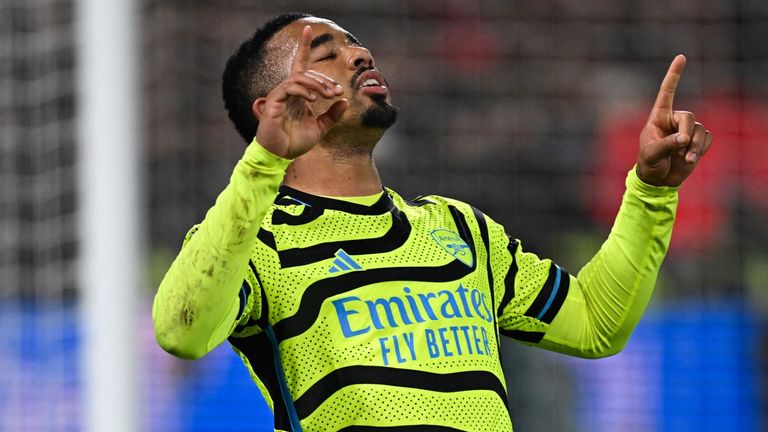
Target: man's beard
(379,115)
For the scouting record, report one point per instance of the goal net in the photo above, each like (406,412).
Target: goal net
(38,236)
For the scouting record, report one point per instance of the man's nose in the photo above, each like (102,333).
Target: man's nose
(359,57)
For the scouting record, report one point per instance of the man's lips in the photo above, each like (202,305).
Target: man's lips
(372,82)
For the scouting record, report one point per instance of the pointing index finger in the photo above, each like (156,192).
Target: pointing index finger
(301,59)
(669,84)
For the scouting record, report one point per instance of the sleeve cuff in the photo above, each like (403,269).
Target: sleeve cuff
(634,184)
(256,154)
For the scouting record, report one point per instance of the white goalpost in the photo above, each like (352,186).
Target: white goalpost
(109,213)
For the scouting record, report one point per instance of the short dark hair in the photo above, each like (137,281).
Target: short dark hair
(248,75)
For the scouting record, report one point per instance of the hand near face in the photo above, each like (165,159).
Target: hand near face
(287,125)
(672,142)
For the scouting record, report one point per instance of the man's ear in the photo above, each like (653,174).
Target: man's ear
(258,107)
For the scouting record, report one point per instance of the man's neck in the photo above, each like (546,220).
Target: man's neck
(332,172)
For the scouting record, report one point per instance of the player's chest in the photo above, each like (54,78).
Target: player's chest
(335,243)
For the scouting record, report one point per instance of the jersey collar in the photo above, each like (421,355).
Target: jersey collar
(383,205)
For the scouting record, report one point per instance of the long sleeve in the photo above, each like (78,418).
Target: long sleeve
(594,313)
(197,302)
(611,292)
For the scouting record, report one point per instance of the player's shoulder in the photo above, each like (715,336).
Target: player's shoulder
(444,203)
(432,204)
(470,213)
(435,201)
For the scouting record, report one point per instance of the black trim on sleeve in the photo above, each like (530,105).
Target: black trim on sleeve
(262,321)
(557,302)
(524,336)
(243,294)
(551,296)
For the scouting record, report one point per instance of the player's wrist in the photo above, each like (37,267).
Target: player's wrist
(259,155)
(272,146)
(636,183)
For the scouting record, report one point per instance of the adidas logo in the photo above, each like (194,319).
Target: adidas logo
(343,262)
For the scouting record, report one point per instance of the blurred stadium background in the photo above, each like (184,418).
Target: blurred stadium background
(529,110)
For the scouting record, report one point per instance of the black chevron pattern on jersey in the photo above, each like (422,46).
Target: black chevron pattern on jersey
(524,336)
(352,375)
(413,428)
(419,201)
(485,237)
(403,246)
(307,215)
(383,205)
(314,207)
(318,292)
(395,237)
(509,279)
(315,294)
(261,358)
(267,238)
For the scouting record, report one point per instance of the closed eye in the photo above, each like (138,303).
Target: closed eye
(329,56)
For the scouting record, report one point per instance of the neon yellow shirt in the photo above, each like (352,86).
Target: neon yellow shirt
(389,315)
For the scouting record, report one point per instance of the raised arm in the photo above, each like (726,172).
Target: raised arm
(197,303)
(593,313)
(611,292)
(608,296)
